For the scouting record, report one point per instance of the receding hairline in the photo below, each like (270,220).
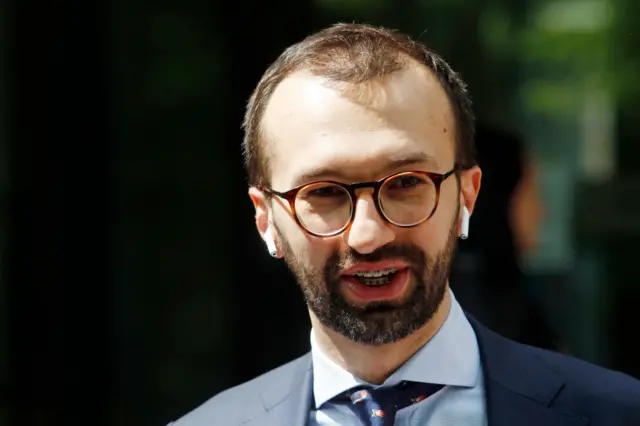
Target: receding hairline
(371,93)
(357,90)
(356,57)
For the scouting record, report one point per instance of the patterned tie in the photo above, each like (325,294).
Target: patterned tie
(378,407)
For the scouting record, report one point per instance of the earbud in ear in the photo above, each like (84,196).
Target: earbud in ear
(464,233)
(271,244)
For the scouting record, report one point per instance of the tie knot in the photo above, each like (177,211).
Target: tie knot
(383,402)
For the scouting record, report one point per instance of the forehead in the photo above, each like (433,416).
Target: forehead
(315,130)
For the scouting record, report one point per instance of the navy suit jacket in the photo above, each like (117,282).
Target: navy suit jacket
(525,386)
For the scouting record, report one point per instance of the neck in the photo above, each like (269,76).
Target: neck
(374,364)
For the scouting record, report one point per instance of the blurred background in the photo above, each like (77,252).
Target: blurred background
(134,285)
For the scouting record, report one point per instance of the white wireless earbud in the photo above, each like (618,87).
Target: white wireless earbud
(271,244)
(464,233)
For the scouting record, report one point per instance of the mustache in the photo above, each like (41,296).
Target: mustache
(408,253)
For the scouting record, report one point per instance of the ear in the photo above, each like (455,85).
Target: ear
(469,189)
(261,204)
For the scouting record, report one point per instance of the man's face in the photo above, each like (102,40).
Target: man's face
(317,132)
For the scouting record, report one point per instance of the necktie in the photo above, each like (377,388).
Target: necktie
(378,407)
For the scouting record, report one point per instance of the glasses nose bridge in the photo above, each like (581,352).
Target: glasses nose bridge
(375,194)
(353,187)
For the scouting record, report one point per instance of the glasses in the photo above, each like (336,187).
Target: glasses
(326,208)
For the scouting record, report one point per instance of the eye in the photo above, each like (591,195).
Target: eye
(406,182)
(326,192)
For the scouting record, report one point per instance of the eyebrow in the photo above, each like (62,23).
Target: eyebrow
(394,162)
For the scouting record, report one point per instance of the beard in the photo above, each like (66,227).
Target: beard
(375,323)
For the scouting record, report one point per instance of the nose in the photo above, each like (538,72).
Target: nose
(369,230)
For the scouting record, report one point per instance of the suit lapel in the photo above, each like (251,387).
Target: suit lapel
(506,408)
(288,401)
(519,388)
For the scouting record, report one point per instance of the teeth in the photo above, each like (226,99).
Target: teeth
(374,282)
(375,274)
(370,282)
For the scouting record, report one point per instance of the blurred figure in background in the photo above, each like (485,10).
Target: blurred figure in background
(526,209)
(486,275)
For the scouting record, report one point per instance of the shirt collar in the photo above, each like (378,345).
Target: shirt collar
(451,357)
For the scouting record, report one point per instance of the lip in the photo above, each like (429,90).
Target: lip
(375,266)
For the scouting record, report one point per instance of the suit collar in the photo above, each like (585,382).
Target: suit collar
(287,400)
(503,362)
(519,388)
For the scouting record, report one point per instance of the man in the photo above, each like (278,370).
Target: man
(359,149)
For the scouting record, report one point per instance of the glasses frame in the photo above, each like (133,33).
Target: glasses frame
(351,188)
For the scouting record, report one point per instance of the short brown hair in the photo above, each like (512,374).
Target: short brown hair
(353,53)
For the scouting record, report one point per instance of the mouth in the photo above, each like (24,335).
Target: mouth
(377,285)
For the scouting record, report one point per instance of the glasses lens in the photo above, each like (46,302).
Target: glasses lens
(408,198)
(323,208)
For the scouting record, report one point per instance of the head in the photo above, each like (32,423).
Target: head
(357,104)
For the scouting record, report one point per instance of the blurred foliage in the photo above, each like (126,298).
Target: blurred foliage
(577,45)
(569,45)
(553,98)
(625,45)
(356,7)
(496,30)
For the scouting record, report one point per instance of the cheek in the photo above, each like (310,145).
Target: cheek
(316,253)
(429,237)
(433,235)
(305,248)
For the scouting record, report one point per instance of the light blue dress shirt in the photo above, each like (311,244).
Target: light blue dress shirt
(450,358)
